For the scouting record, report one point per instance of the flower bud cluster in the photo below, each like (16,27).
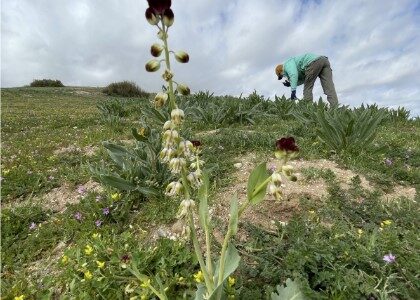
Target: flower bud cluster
(274,187)
(287,170)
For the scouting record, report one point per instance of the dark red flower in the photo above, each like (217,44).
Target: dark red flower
(125,258)
(196,143)
(159,6)
(287,144)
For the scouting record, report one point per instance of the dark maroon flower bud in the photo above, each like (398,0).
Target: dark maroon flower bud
(125,258)
(287,144)
(196,143)
(168,17)
(159,6)
(151,16)
(182,57)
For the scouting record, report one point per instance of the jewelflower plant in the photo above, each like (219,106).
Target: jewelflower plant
(191,185)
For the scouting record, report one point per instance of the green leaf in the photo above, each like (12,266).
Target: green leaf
(233,221)
(199,294)
(257,177)
(290,292)
(117,182)
(232,259)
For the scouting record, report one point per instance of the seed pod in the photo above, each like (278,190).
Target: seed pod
(156,49)
(152,65)
(183,89)
(168,17)
(151,17)
(182,57)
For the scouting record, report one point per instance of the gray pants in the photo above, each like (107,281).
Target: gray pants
(320,68)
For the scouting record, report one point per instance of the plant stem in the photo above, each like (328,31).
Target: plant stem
(160,296)
(208,251)
(168,66)
(197,250)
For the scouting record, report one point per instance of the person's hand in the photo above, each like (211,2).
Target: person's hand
(286,83)
(293,96)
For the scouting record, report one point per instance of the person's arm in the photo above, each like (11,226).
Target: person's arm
(292,73)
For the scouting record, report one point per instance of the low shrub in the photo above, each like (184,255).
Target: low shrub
(46,83)
(124,89)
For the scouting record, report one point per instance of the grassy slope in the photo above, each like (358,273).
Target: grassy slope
(38,121)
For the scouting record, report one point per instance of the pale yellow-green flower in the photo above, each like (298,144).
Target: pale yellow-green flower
(101,264)
(386,223)
(64,259)
(359,232)
(199,277)
(96,235)
(5,172)
(231,281)
(88,250)
(116,196)
(88,275)
(145,284)
(21,297)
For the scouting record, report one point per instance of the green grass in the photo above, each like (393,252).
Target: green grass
(38,123)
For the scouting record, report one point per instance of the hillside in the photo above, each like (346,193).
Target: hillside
(70,229)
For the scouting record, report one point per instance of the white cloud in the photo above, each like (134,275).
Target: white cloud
(233,45)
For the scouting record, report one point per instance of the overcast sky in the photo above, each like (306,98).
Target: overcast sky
(234,46)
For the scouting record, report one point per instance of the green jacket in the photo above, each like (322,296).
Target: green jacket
(294,68)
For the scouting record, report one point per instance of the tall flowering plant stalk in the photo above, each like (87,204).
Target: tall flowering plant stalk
(183,159)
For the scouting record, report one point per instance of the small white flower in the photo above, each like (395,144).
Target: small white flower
(186,148)
(173,188)
(166,154)
(197,164)
(275,191)
(170,136)
(176,164)
(168,125)
(195,178)
(177,116)
(276,178)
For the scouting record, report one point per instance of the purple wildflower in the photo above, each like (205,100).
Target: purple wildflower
(389,258)
(32,226)
(81,190)
(98,223)
(105,211)
(78,216)
(388,162)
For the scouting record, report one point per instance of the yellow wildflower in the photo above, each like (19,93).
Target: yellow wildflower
(360,232)
(5,172)
(142,131)
(145,284)
(21,297)
(231,281)
(88,250)
(101,264)
(199,277)
(144,297)
(312,212)
(386,223)
(116,196)
(88,275)
(96,235)
(64,259)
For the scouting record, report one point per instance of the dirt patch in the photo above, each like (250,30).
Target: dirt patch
(270,211)
(58,198)
(73,149)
